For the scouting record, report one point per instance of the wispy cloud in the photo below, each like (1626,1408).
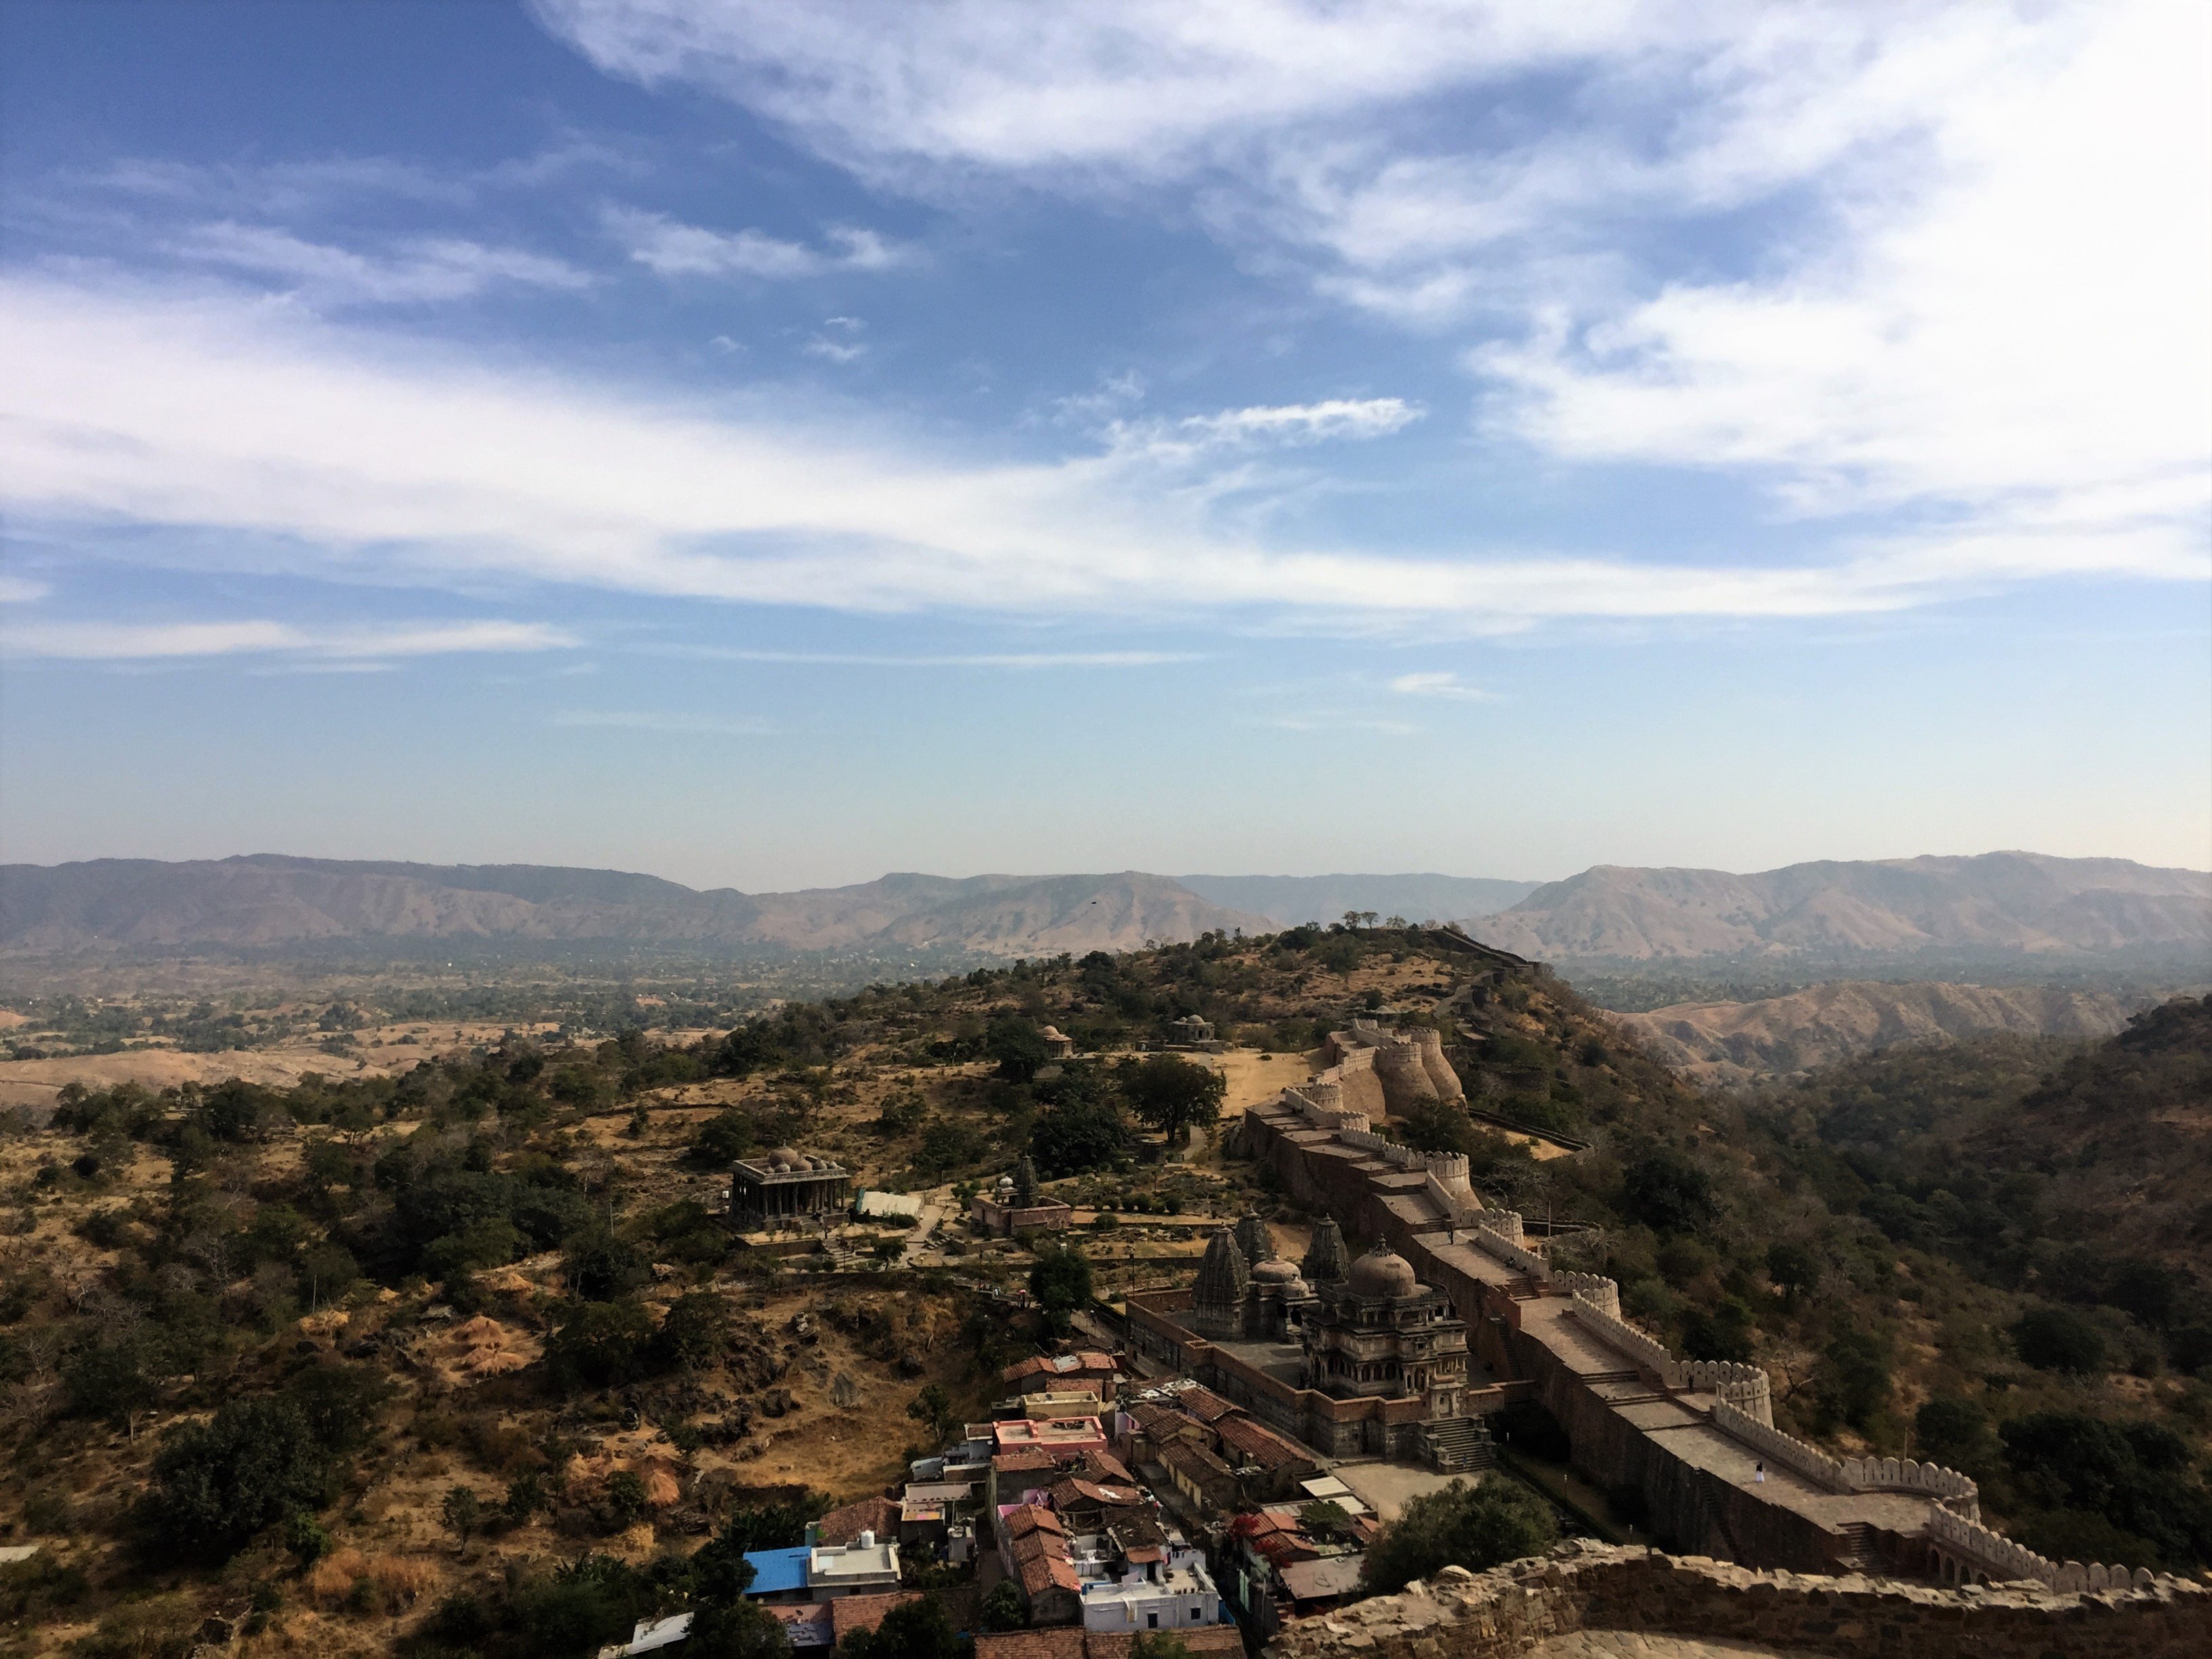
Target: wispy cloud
(1263,425)
(680,723)
(1949,259)
(421,270)
(968,660)
(116,641)
(118,409)
(1440,684)
(671,248)
(22,590)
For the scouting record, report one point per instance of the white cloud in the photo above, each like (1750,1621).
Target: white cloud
(835,351)
(671,248)
(283,432)
(1947,255)
(426,269)
(680,723)
(1440,684)
(113,641)
(22,590)
(967,660)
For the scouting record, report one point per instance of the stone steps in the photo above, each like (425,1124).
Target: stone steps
(1459,1444)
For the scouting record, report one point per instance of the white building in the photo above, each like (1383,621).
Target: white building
(863,1567)
(1124,1594)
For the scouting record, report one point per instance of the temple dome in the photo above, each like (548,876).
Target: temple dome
(1274,1271)
(1382,1273)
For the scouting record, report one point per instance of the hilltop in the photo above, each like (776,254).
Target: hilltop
(1996,905)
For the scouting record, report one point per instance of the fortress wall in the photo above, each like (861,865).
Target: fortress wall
(1581,1586)
(1429,1043)
(1688,1507)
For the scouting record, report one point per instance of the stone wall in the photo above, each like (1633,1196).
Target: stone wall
(1582,1586)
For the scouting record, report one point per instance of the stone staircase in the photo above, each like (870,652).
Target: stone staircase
(1458,1445)
(1857,1552)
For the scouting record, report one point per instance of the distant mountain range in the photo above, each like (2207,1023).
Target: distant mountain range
(266,901)
(1289,900)
(1998,903)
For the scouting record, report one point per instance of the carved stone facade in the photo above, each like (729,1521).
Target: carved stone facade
(1380,1334)
(1245,1293)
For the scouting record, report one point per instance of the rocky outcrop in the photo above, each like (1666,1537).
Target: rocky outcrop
(1582,1586)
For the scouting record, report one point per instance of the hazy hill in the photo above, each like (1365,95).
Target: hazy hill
(1842,1019)
(1998,903)
(268,902)
(1289,900)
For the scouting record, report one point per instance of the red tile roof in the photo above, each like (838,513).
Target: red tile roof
(879,1516)
(1196,1461)
(1031,1645)
(1065,1365)
(1255,1444)
(1030,1517)
(1204,1404)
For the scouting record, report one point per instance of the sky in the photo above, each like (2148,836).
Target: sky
(768,445)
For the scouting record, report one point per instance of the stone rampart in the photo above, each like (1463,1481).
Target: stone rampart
(1649,1352)
(1599,1291)
(1580,1586)
(1746,1387)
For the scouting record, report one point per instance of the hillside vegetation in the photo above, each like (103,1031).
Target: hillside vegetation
(256,1339)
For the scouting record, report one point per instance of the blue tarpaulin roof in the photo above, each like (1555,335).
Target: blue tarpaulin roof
(777,1569)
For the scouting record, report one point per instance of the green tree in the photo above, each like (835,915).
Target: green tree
(933,1408)
(1017,1045)
(463,1512)
(1475,1527)
(695,1331)
(1160,1644)
(1668,1194)
(600,1343)
(1955,1431)
(2059,1339)
(1793,1267)
(912,1630)
(216,1484)
(721,1141)
(1172,1094)
(1853,1381)
(1003,1608)
(1060,1283)
(602,1266)
(1438,1125)
(1077,1136)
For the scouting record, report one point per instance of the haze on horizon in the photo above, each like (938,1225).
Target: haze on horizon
(767,447)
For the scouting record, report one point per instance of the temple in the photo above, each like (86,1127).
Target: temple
(1352,1358)
(787,1188)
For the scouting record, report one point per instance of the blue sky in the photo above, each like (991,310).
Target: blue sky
(770,444)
